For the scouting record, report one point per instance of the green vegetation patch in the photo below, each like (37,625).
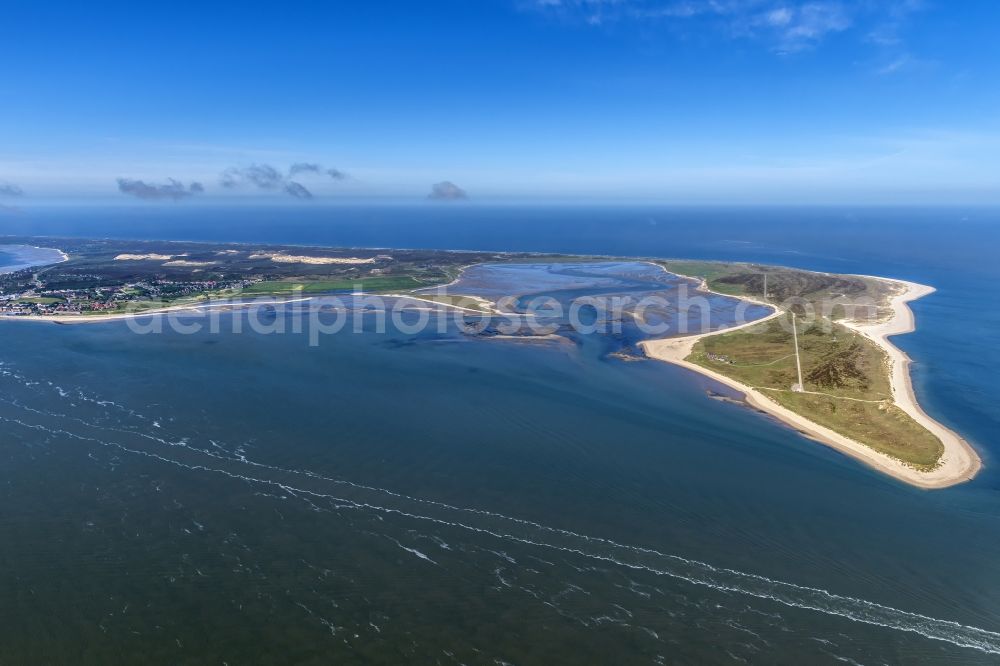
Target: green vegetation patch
(845,381)
(710,271)
(374,284)
(882,426)
(41,300)
(821,289)
(835,359)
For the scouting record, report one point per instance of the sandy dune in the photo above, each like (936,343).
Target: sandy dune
(280,258)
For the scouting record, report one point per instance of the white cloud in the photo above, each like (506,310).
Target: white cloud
(812,22)
(784,25)
(779,17)
(893,66)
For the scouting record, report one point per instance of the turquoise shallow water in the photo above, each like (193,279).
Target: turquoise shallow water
(435,498)
(610,304)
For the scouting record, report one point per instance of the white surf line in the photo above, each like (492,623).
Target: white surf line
(310,474)
(490,514)
(73,393)
(699,573)
(412,551)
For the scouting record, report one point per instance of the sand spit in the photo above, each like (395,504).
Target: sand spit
(958,463)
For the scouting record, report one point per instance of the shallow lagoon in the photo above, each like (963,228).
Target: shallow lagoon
(625,301)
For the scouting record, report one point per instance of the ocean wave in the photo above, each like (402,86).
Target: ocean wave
(510,529)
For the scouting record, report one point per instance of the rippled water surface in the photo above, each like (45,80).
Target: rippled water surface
(441,498)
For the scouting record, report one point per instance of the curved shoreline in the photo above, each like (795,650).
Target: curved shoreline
(63,257)
(959,461)
(102,317)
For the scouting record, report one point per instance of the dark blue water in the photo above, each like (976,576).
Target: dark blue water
(172,498)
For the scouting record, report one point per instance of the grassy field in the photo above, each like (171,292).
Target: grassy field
(375,284)
(41,300)
(828,294)
(882,426)
(139,306)
(845,382)
(710,271)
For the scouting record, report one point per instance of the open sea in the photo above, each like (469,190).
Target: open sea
(432,498)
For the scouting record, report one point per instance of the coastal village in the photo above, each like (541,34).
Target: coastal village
(103,276)
(26,293)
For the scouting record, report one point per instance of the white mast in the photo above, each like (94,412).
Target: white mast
(798,388)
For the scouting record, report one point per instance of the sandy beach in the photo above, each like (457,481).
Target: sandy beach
(431,305)
(117,316)
(488,307)
(959,462)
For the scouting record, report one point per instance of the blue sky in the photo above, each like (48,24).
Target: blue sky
(680,101)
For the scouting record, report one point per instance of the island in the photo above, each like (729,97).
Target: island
(820,360)
(838,379)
